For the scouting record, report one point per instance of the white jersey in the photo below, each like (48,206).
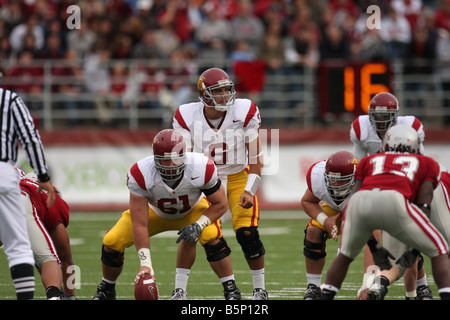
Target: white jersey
(366,140)
(224,143)
(316,183)
(144,180)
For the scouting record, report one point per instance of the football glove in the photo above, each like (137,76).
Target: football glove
(380,255)
(189,233)
(406,260)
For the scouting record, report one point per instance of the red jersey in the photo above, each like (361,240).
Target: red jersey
(400,171)
(445,180)
(50,217)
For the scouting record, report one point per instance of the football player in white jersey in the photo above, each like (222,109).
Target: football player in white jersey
(226,130)
(330,183)
(170,190)
(366,133)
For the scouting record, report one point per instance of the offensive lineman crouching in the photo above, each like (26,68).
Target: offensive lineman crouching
(166,193)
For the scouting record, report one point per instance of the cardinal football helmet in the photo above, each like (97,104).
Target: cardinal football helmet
(208,84)
(340,174)
(169,145)
(383,112)
(402,138)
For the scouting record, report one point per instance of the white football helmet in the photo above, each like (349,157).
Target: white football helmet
(402,138)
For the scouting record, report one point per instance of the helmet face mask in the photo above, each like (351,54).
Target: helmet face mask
(401,138)
(169,150)
(382,120)
(383,112)
(216,90)
(339,175)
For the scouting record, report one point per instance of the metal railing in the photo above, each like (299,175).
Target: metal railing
(288,98)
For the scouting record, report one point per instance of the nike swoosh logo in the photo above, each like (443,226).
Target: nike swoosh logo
(193,178)
(236,120)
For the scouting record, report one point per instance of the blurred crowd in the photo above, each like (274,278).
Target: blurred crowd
(194,34)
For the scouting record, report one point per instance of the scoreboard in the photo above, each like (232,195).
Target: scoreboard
(348,86)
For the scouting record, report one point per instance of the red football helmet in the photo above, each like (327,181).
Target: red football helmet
(169,145)
(212,80)
(383,112)
(339,174)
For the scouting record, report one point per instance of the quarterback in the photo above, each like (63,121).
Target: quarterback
(170,190)
(226,130)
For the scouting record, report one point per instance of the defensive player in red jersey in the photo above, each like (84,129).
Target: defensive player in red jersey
(330,183)
(440,206)
(49,238)
(394,190)
(170,190)
(226,130)
(366,133)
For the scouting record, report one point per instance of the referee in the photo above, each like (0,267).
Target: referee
(16,123)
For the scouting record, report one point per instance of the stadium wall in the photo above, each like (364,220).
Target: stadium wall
(90,166)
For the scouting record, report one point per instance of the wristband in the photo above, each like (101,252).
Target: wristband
(145,258)
(43,177)
(253,182)
(203,221)
(424,205)
(321,217)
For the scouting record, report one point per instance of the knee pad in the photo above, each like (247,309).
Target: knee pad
(309,246)
(249,240)
(218,251)
(112,259)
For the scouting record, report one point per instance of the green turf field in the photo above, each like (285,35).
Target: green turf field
(281,232)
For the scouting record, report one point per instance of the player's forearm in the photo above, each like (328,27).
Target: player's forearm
(312,209)
(215,211)
(140,234)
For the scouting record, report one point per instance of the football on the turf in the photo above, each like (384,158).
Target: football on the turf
(146,288)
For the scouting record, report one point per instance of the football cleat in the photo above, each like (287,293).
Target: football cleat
(424,293)
(376,292)
(179,294)
(260,294)
(103,293)
(313,292)
(231,292)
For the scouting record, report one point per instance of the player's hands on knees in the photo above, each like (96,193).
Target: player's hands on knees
(143,270)
(331,227)
(246,200)
(189,233)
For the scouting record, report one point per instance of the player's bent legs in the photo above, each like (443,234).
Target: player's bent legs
(419,233)
(46,258)
(315,242)
(440,207)
(13,233)
(61,240)
(314,249)
(397,248)
(13,230)
(354,235)
(245,225)
(245,221)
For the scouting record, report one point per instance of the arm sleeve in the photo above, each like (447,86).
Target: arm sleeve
(29,137)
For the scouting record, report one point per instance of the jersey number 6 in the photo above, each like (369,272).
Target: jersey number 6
(171,202)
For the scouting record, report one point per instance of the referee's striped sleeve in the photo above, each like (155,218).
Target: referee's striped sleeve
(28,135)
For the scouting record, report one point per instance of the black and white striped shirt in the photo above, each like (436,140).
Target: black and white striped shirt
(16,123)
